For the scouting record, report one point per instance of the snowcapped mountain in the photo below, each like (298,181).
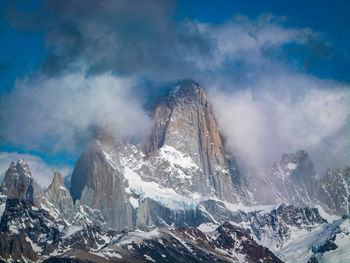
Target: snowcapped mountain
(292,180)
(334,191)
(184,163)
(185,122)
(19,182)
(178,197)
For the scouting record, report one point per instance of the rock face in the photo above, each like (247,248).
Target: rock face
(99,185)
(293,180)
(58,195)
(184,159)
(184,121)
(334,191)
(19,183)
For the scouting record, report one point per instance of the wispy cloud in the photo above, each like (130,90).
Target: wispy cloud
(286,113)
(62,113)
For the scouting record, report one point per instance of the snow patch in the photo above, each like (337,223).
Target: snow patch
(177,158)
(156,192)
(292,166)
(341,254)
(325,215)
(13,229)
(72,230)
(138,236)
(134,202)
(2,209)
(247,209)
(112,254)
(35,247)
(149,258)
(208,227)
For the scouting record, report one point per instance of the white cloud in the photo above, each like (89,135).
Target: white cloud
(245,40)
(41,171)
(286,113)
(59,112)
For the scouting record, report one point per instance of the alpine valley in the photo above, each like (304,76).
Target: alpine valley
(180,196)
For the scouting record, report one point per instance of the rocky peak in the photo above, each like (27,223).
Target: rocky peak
(183,119)
(292,180)
(19,182)
(299,165)
(297,158)
(86,173)
(186,88)
(180,109)
(58,195)
(57,181)
(98,182)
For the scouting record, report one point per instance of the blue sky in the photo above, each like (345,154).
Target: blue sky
(247,53)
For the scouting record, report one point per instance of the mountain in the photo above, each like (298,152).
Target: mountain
(292,180)
(58,196)
(99,185)
(185,122)
(35,235)
(333,191)
(177,197)
(181,163)
(19,183)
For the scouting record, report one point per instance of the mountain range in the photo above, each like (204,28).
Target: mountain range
(179,196)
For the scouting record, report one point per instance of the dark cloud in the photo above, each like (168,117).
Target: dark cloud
(128,37)
(123,37)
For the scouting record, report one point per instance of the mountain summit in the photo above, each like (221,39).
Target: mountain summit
(184,157)
(19,183)
(184,120)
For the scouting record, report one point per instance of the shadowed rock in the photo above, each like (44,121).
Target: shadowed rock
(19,183)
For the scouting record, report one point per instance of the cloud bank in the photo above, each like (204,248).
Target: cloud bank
(62,113)
(106,58)
(312,114)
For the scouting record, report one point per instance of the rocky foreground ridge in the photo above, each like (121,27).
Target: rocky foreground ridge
(180,197)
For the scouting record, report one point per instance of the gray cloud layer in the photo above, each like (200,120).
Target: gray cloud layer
(101,52)
(122,37)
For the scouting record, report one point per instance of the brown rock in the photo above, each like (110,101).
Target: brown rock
(184,120)
(16,247)
(99,185)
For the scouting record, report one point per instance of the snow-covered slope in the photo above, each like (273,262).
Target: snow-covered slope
(36,236)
